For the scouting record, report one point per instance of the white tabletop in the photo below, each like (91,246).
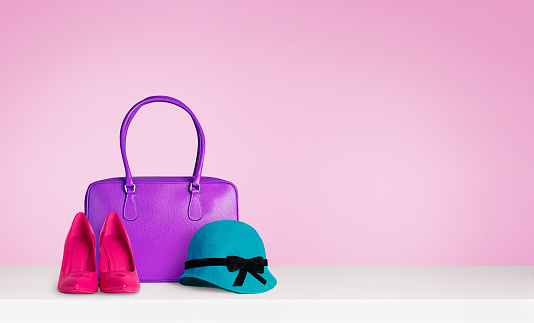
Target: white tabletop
(367,294)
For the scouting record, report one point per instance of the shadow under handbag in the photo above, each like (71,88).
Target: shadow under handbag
(160,214)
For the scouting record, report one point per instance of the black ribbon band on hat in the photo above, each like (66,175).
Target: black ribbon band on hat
(233,263)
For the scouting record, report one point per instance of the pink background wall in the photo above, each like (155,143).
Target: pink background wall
(357,132)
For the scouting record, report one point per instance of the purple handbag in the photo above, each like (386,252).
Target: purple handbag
(160,214)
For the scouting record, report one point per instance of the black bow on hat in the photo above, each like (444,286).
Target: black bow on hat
(253,266)
(234,263)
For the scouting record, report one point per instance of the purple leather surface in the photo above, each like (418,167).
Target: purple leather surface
(161,214)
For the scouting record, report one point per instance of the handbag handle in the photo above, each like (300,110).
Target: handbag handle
(197,172)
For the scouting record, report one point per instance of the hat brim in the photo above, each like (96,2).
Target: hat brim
(220,277)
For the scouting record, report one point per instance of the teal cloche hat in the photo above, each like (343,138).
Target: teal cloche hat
(228,254)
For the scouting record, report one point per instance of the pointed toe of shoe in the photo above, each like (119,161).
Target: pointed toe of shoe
(119,282)
(78,283)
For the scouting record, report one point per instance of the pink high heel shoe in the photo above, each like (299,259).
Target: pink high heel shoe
(78,269)
(117,267)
